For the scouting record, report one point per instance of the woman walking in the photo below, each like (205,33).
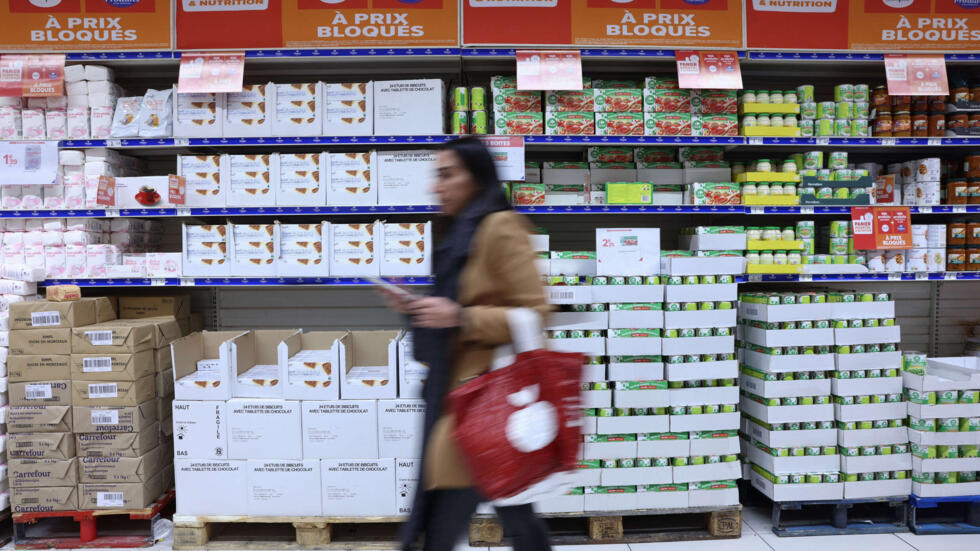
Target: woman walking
(483,266)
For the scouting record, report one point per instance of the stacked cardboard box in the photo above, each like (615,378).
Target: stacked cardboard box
(659,432)
(281,422)
(944,424)
(85,409)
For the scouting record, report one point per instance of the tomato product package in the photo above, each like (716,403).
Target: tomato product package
(619,100)
(527,194)
(628,193)
(600,83)
(713,102)
(654,154)
(569,100)
(518,123)
(619,124)
(661,83)
(659,165)
(559,123)
(715,193)
(666,101)
(707,164)
(714,125)
(565,165)
(507,82)
(701,153)
(667,124)
(517,101)
(610,155)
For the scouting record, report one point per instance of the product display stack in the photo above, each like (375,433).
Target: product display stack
(944,424)
(281,422)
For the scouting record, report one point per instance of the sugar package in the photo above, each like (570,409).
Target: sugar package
(156,114)
(125,120)
(56,122)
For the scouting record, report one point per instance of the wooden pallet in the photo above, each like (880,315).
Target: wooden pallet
(836,517)
(285,532)
(6,528)
(944,515)
(640,526)
(93,528)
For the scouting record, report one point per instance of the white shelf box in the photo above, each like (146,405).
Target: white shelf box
(627,293)
(798,492)
(703,395)
(872,437)
(786,364)
(863,310)
(701,318)
(697,371)
(699,345)
(785,389)
(875,463)
(787,414)
(789,337)
(868,335)
(877,488)
(785,312)
(578,320)
(705,421)
(866,386)
(870,412)
(702,292)
(790,438)
(791,465)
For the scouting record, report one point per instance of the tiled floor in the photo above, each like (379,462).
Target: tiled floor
(757,536)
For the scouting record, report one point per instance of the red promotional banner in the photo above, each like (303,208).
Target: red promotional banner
(549,70)
(211,72)
(881,228)
(210,24)
(708,70)
(32,76)
(916,75)
(636,23)
(60,25)
(176,189)
(870,25)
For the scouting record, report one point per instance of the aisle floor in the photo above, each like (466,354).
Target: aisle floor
(756,536)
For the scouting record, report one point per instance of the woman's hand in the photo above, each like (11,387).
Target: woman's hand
(434,312)
(396,302)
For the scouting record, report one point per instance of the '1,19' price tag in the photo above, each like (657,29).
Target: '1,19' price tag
(823,141)
(921,276)
(806,277)
(888,141)
(894,277)
(949,276)
(187,282)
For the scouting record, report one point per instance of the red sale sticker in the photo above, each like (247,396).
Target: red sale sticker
(881,228)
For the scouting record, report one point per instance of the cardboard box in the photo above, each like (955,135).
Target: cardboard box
(121,495)
(783,364)
(358,487)
(112,367)
(689,265)
(283,487)
(785,312)
(44,314)
(872,437)
(165,385)
(43,500)
(211,487)
(115,393)
(302,179)
(868,360)
(198,115)
(405,177)
(248,113)
(714,494)
(202,179)
(254,249)
(798,492)
(40,341)
(789,439)
(596,398)
(790,465)
(411,373)
(118,444)
(407,249)
(400,428)
(407,476)
(348,109)
(875,463)
(41,445)
(122,470)
(714,242)
(309,363)
(708,421)
(789,337)
(163,359)
(945,490)
(878,488)
(178,306)
(39,419)
(42,472)
(203,367)
(409,107)
(201,429)
(206,250)
(562,294)
(632,424)
(114,418)
(626,293)
(702,318)
(923,438)
(662,496)
(352,179)
(610,498)
(867,335)
(871,412)
(704,395)
(298,109)
(370,367)
(257,353)
(636,476)
(716,292)
(303,250)
(43,393)
(355,249)
(253,180)
(695,371)
(784,389)
(340,429)
(114,337)
(627,251)
(613,446)
(593,346)
(630,315)
(637,371)
(264,429)
(787,414)
(698,345)
(865,387)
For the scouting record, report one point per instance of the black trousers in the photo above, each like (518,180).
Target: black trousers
(449,518)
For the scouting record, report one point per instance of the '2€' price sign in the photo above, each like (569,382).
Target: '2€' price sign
(881,227)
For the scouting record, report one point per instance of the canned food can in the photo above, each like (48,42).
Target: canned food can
(706,305)
(652,280)
(560,334)
(692,358)
(605,412)
(845,110)
(842,127)
(600,386)
(722,331)
(626,463)
(814,478)
(461,98)
(813,450)
(675,280)
(600,307)
(827,110)
(691,280)
(678,410)
(672,307)
(711,409)
(797,478)
(679,461)
(880,424)
(704,331)
(713,459)
(478,98)
(725,279)
(708,279)
(634,280)
(685,333)
(883,475)
(479,122)
(866,477)
(460,122)
(576,334)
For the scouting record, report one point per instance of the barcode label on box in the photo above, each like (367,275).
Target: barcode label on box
(103,390)
(96,365)
(562,295)
(110,417)
(99,338)
(109,499)
(45,319)
(26,500)
(37,392)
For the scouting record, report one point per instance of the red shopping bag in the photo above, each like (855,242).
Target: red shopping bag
(518,425)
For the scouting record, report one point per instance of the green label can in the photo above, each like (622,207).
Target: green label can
(460,122)
(461,98)
(478,98)
(479,122)
(827,110)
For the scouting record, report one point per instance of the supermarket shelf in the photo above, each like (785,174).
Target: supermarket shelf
(812,56)
(232,281)
(120,56)
(603,53)
(164,143)
(428,209)
(904,276)
(359,53)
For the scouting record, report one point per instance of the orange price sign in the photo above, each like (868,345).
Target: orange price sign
(106,194)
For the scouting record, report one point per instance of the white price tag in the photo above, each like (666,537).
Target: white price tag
(806,210)
(99,338)
(106,417)
(158,282)
(757,210)
(806,277)
(888,141)
(935,141)
(925,210)
(112,213)
(113,143)
(921,276)
(109,499)
(45,319)
(755,278)
(183,211)
(755,141)
(959,209)
(894,277)
(187,282)
(103,390)
(823,141)
(950,276)
(96,365)
(37,392)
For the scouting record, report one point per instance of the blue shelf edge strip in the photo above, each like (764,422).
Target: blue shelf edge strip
(535,139)
(349,281)
(429,209)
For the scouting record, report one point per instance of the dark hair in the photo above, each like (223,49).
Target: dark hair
(479,162)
